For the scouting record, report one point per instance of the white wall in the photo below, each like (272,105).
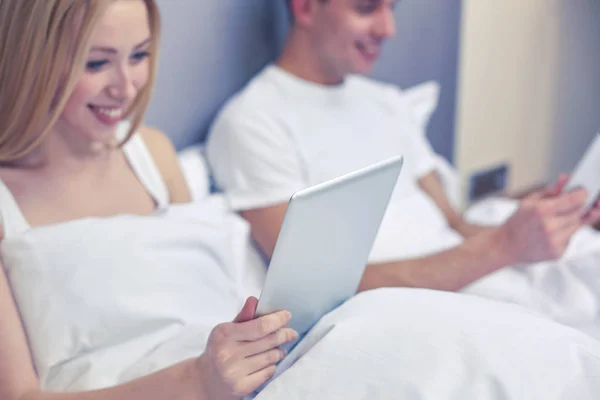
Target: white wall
(528,87)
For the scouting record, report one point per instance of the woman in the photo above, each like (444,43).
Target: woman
(114,286)
(61,103)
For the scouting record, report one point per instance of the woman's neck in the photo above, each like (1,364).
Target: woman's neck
(62,151)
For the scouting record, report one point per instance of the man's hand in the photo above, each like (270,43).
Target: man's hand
(592,217)
(543,225)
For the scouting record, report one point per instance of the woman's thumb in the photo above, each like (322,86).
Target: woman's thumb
(248,310)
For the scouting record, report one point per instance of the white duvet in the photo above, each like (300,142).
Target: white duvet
(422,345)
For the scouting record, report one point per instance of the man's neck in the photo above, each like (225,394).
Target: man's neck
(299,59)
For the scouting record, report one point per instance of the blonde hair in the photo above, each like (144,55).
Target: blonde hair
(40,65)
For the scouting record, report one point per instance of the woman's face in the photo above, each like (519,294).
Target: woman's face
(117,69)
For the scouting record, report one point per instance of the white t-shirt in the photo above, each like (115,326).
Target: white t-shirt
(282,134)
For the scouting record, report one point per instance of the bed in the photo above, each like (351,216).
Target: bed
(197,76)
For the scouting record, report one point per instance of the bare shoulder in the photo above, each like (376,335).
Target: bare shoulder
(165,156)
(158,143)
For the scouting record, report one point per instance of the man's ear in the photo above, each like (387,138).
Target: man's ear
(303,11)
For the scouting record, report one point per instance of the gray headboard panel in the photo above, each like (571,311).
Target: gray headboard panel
(425,48)
(210,48)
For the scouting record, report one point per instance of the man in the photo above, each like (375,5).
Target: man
(312,116)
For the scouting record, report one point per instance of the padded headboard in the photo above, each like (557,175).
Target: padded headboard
(426,47)
(210,48)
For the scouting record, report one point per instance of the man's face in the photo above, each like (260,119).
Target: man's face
(348,35)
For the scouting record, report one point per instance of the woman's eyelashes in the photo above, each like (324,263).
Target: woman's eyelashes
(97,65)
(140,55)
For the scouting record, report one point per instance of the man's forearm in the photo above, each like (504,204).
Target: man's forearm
(177,382)
(467,229)
(457,222)
(449,270)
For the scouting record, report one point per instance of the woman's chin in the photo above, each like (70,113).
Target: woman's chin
(103,137)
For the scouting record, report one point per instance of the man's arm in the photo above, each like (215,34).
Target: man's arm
(432,185)
(265,224)
(449,270)
(539,230)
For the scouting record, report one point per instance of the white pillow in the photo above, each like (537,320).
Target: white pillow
(196,172)
(423,99)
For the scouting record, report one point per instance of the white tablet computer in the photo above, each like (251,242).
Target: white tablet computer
(324,243)
(587,172)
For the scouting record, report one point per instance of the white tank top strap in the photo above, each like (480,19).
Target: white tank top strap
(12,219)
(145,168)
(14,222)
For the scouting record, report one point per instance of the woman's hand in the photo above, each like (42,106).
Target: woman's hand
(241,355)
